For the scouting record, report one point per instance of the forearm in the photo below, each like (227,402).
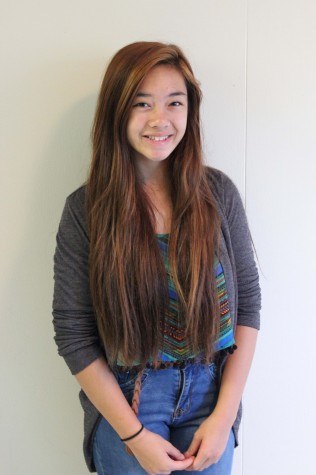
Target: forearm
(101,387)
(155,454)
(235,374)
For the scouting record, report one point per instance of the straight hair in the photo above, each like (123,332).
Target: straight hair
(127,273)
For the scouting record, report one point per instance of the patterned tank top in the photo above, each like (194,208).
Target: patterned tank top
(176,345)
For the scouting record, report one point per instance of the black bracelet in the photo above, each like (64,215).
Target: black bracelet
(132,436)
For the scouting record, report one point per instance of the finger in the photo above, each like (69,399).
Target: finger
(190,467)
(203,461)
(194,447)
(174,453)
(182,464)
(200,464)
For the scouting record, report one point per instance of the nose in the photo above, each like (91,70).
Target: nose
(159,118)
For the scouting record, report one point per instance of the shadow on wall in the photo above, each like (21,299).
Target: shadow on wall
(63,167)
(67,158)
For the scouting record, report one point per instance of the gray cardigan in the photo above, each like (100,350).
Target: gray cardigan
(74,320)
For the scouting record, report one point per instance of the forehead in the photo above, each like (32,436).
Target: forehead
(163,78)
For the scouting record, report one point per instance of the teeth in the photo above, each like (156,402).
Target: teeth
(157,139)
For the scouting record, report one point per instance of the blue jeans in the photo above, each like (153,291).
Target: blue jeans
(173,403)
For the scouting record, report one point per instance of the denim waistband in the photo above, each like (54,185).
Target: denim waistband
(180,364)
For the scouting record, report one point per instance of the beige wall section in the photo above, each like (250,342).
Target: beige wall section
(53,55)
(281,199)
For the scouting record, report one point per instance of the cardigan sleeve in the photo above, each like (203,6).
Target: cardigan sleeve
(249,294)
(74,321)
(238,240)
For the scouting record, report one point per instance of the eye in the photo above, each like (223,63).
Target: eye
(142,105)
(176,104)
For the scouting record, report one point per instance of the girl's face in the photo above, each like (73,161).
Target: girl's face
(158,118)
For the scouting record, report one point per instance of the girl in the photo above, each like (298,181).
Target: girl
(155,279)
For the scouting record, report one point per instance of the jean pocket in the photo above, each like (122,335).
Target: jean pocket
(127,379)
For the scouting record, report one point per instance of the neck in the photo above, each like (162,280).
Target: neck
(153,174)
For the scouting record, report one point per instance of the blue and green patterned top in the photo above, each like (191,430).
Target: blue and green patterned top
(176,345)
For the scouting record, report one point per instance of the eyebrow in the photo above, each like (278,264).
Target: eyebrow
(177,93)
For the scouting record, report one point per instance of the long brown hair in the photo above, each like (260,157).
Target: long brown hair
(127,273)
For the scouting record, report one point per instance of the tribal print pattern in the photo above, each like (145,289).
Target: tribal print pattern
(176,346)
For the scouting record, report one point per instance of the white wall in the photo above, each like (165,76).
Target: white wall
(256,63)
(281,198)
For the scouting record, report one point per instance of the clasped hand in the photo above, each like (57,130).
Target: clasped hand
(208,443)
(158,456)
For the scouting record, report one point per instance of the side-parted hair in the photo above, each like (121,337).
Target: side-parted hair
(127,274)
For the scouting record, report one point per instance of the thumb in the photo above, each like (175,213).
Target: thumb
(194,447)
(180,461)
(182,464)
(174,453)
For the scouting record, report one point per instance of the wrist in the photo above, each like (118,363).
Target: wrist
(225,418)
(133,436)
(133,443)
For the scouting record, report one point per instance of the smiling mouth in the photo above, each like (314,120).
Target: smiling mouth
(157,139)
